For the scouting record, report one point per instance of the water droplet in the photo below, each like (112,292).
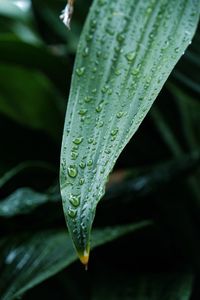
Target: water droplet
(135,71)
(102,2)
(103,170)
(82,112)
(99,108)
(98,54)
(90,140)
(78,140)
(94,70)
(107,151)
(110,91)
(74,200)
(130,56)
(120,114)
(117,72)
(149,10)
(82,164)
(100,124)
(105,89)
(72,171)
(89,37)
(120,37)
(93,23)
(75,147)
(80,71)
(94,91)
(72,212)
(90,163)
(81,181)
(74,155)
(88,99)
(114,132)
(85,51)
(110,31)
(165,46)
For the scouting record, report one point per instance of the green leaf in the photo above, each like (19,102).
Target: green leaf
(31,101)
(28,262)
(41,59)
(23,201)
(189,108)
(24,166)
(125,54)
(187,71)
(11,10)
(15,16)
(159,176)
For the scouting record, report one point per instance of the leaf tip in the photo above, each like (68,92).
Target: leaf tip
(84,258)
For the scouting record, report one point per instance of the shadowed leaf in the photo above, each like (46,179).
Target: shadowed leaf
(26,262)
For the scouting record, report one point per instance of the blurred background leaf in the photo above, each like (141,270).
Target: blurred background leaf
(43,255)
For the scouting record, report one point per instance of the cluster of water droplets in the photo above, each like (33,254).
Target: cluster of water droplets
(113,103)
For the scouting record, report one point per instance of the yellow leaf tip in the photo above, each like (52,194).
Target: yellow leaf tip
(84,258)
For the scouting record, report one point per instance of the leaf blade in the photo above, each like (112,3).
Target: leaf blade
(125,54)
(43,255)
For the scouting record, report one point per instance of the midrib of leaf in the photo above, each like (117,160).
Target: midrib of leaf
(158,38)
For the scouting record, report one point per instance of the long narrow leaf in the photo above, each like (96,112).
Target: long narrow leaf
(126,52)
(26,263)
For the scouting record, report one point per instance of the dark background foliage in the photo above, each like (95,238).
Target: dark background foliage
(156,177)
